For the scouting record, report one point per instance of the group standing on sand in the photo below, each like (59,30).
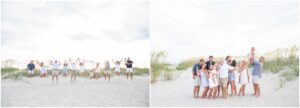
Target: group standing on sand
(94,73)
(216,77)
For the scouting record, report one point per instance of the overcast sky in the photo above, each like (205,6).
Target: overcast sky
(188,29)
(97,30)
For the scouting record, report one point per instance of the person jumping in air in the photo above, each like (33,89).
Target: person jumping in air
(97,71)
(74,68)
(30,68)
(107,70)
(55,67)
(117,67)
(129,68)
(65,69)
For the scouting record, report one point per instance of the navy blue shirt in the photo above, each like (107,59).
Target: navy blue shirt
(208,63)
(30,66)
(195,67)
(129,64)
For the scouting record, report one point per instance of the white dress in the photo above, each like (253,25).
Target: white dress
(98,70)
(204,81)
(243,77)
(117,68)
(210,81)
(81,69)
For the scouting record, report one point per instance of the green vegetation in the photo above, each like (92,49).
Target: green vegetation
(159,66)
(283,60)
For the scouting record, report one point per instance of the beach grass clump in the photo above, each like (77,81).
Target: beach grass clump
(159,66)
(282,58)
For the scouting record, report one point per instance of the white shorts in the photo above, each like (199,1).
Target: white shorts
(54,72)
(31,71)
(255,79)
(107,71)
(197,81)
(117,69)
(130,70)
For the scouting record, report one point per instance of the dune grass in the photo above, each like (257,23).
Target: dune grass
(159,66)
(285,61)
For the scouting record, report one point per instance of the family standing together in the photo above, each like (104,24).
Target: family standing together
(216,77)
(70,68)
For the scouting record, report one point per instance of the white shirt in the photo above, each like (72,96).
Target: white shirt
(55,66)
(74,66)
(224,70)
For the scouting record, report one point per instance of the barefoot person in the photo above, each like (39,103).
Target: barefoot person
(55,67)
(244,77)
(231,78)
(204,78)
(107,70)
(43,68)
(65,69)
(74,69)
(30,68)
(129,69)
(224,69)
(212,82)
(82,69)
(196,79)
(97,70)
(256,74)
(117,67)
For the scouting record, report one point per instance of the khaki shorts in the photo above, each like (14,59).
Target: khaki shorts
(223,82)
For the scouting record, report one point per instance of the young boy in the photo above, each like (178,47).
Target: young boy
(30,68)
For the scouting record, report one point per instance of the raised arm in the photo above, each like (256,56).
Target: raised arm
(113,61)
(121,60)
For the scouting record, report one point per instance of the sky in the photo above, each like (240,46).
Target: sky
(187,29)
(92,30)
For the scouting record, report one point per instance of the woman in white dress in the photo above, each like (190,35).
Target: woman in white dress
(81,70)
(212,81)
(117,67)
(97,70)
(244,77)
(204,78)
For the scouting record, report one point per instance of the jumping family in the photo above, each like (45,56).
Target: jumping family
(72,66)
(216,77)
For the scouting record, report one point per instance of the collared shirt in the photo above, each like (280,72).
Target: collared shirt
(195,67)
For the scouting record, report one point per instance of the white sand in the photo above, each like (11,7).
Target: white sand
(179,92)
(86,92)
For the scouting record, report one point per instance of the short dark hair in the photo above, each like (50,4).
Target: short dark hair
(211,57)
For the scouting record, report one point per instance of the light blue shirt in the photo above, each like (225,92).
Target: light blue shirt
(257,68)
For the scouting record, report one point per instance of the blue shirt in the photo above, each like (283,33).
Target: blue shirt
(195,67)
(30,66)
(257,68)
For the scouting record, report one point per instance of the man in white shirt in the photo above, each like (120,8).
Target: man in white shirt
(55,67)
(224,69)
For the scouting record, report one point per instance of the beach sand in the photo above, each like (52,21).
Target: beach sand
(86,92)
(179,93)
